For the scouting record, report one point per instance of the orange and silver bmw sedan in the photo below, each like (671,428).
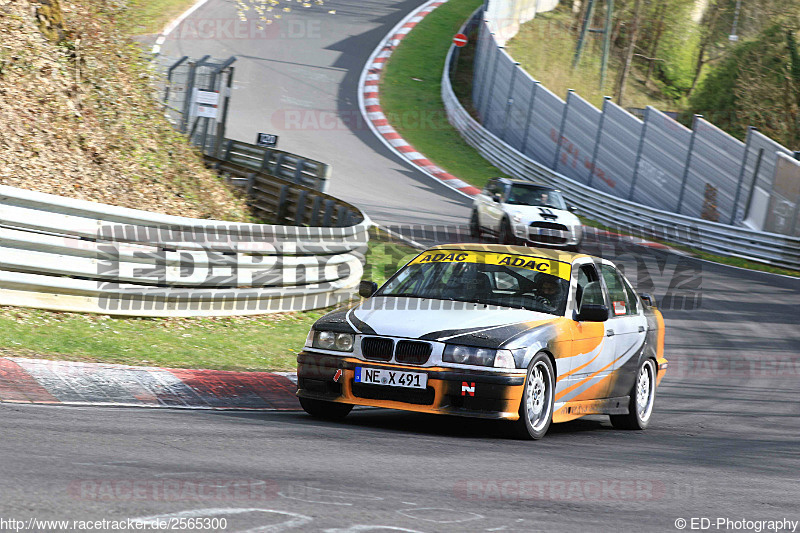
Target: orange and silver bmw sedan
(528,335)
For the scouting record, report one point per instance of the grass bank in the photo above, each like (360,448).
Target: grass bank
(260,343)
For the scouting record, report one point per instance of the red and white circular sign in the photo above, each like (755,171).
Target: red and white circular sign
(460,40)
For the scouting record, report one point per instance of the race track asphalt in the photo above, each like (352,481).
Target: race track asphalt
(723,441)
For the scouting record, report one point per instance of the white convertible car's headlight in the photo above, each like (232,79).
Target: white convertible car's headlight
(471,355)
(516,218)
(329,340)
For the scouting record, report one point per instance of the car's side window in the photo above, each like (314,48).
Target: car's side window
(588,289)
(633,299)
(616,291)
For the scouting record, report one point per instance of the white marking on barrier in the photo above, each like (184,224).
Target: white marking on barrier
(398,142)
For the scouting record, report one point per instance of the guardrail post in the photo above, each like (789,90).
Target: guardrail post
(639,152)
(300,210)
(688,164)
(509,100)
(228,147)
(298,172)
(315,210)
(597,139)
(532,103)
(487,100)
(340,216)
(739,185)
(326,218)
(280,215)
(753,184)
(570,92)
(251,183)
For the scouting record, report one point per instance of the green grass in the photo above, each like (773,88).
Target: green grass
(411,94)
(261,343)
(150,16)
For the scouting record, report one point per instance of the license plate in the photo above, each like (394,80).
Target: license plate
(390,378)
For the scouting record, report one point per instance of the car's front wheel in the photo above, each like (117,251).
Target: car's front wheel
(325,410)
(506,235)
(643,396)
(475,225)
(536,407)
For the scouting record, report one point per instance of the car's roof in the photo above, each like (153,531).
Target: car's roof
(516,181)
(546,253)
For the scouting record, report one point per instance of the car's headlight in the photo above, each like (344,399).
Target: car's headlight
(516,218)
(471,355)
(329,340)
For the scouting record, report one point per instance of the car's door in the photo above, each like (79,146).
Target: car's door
(484,202)
(629,324)
(494,208)
(593,350)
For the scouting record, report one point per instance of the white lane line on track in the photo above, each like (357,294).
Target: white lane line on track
(169,28)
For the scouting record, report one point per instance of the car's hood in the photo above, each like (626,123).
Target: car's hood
(443,320)
(530,213)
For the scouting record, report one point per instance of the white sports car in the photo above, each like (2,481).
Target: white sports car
(518,211)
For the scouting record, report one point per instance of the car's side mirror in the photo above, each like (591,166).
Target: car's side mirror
(647,299)
(496,197)
(592,313)
(367,288)
(572,209)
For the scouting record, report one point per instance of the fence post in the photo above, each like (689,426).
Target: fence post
(223,123)
(597,139)
(750,131)
(477,96)
(753,185)
(688,164)
(639,152)
(488,100)
(534,90)
(561,129)
(509,100)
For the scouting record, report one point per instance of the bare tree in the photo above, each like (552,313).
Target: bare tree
(628,63)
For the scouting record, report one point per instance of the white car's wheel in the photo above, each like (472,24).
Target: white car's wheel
(536,407)
(643,397)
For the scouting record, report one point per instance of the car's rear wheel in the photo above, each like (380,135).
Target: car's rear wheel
(536,407)
(506,235)
(325,410)
(474,226)
(643,397)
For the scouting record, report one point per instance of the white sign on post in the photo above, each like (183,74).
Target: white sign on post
(207,102)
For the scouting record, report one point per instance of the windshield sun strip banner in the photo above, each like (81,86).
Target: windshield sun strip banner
(536,264)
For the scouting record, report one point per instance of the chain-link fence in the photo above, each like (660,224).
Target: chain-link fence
(196,97)
(701,172)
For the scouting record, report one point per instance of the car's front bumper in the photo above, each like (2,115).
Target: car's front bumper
(549,237)
(449,391)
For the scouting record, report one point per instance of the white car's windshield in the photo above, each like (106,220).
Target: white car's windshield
(484,283)
(522,194)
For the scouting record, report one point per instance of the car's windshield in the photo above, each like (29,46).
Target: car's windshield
(505,280)
(522,194)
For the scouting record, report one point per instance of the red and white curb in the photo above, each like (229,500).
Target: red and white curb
(69,383)
(370,105)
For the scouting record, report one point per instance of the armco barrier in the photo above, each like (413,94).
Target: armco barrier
(284,165)
(71,255)
(779,250)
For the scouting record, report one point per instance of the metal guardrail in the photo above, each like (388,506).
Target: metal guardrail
(71,255)
(623,215)
(291,167)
